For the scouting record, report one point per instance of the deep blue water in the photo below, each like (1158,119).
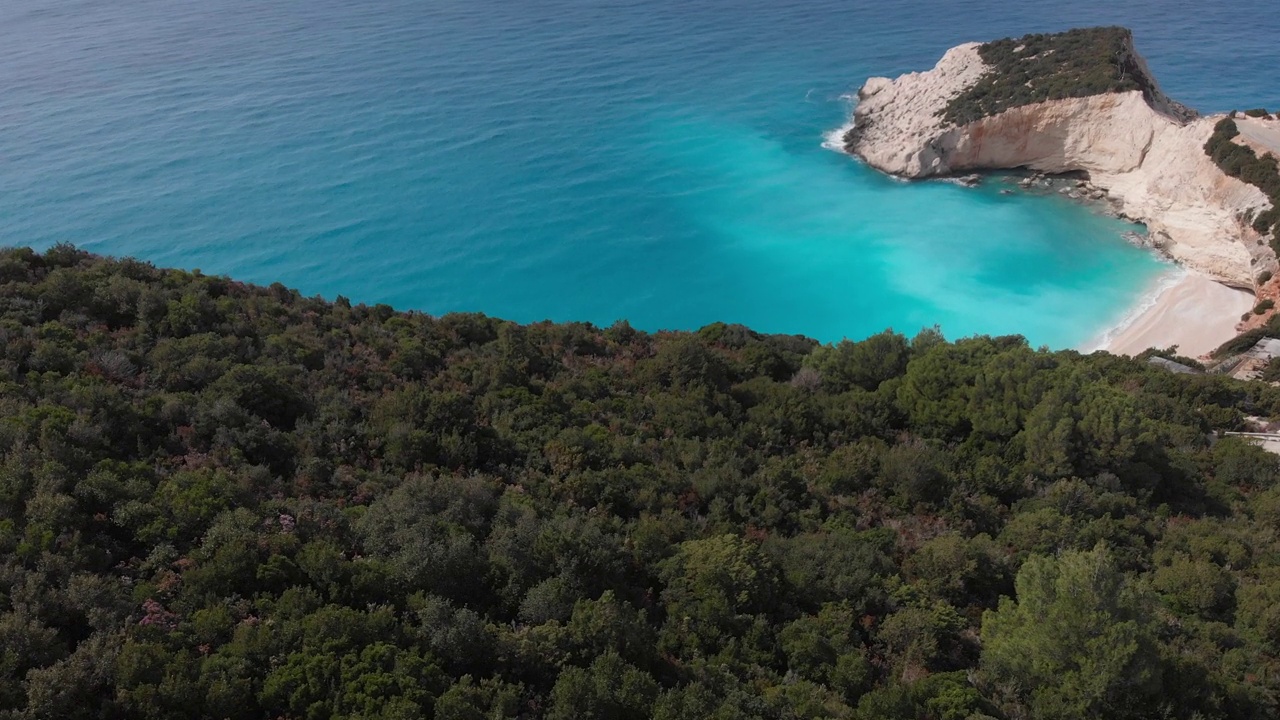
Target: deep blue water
(659,161)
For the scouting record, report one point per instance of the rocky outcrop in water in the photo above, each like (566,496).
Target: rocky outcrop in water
(1143,149)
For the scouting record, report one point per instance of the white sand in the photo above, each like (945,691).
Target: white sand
(1194,313)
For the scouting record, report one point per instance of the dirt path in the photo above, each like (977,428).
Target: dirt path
(1262,135)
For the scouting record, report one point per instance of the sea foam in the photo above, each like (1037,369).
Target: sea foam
(1162,284)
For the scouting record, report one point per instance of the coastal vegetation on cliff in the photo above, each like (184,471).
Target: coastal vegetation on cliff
(1242,162)
(1049,66)
(227,501)
(1247,339)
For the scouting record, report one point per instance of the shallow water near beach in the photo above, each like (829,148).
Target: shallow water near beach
(658,161)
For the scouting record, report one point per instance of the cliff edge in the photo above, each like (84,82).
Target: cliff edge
(1080,101)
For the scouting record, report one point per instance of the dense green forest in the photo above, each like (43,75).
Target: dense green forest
(227,501)
(1049,66)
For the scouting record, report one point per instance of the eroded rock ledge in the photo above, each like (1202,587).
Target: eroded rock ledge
(1144,149)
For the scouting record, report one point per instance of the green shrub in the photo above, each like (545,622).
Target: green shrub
(1240,343)
(1264,276)
(1263,306)
(1271,373)
(1171,353)
(1256,113)
(268,505)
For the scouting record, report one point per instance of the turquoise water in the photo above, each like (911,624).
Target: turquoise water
(659,161)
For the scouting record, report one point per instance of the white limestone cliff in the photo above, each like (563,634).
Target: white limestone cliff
(1145,151)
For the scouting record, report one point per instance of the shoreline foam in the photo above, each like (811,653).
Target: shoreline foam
(1146,303)
(834,139)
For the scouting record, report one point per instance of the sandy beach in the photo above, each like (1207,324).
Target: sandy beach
(1193,312)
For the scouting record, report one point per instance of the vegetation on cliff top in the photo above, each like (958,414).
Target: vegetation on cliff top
(1247,339)
(225,501)
(1040,67)
(1240,161)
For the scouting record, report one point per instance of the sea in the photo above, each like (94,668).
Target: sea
(659,161)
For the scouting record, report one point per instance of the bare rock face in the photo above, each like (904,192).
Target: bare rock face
(897,121)
(1144,149)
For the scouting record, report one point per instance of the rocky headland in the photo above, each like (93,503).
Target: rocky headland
(1079,102)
